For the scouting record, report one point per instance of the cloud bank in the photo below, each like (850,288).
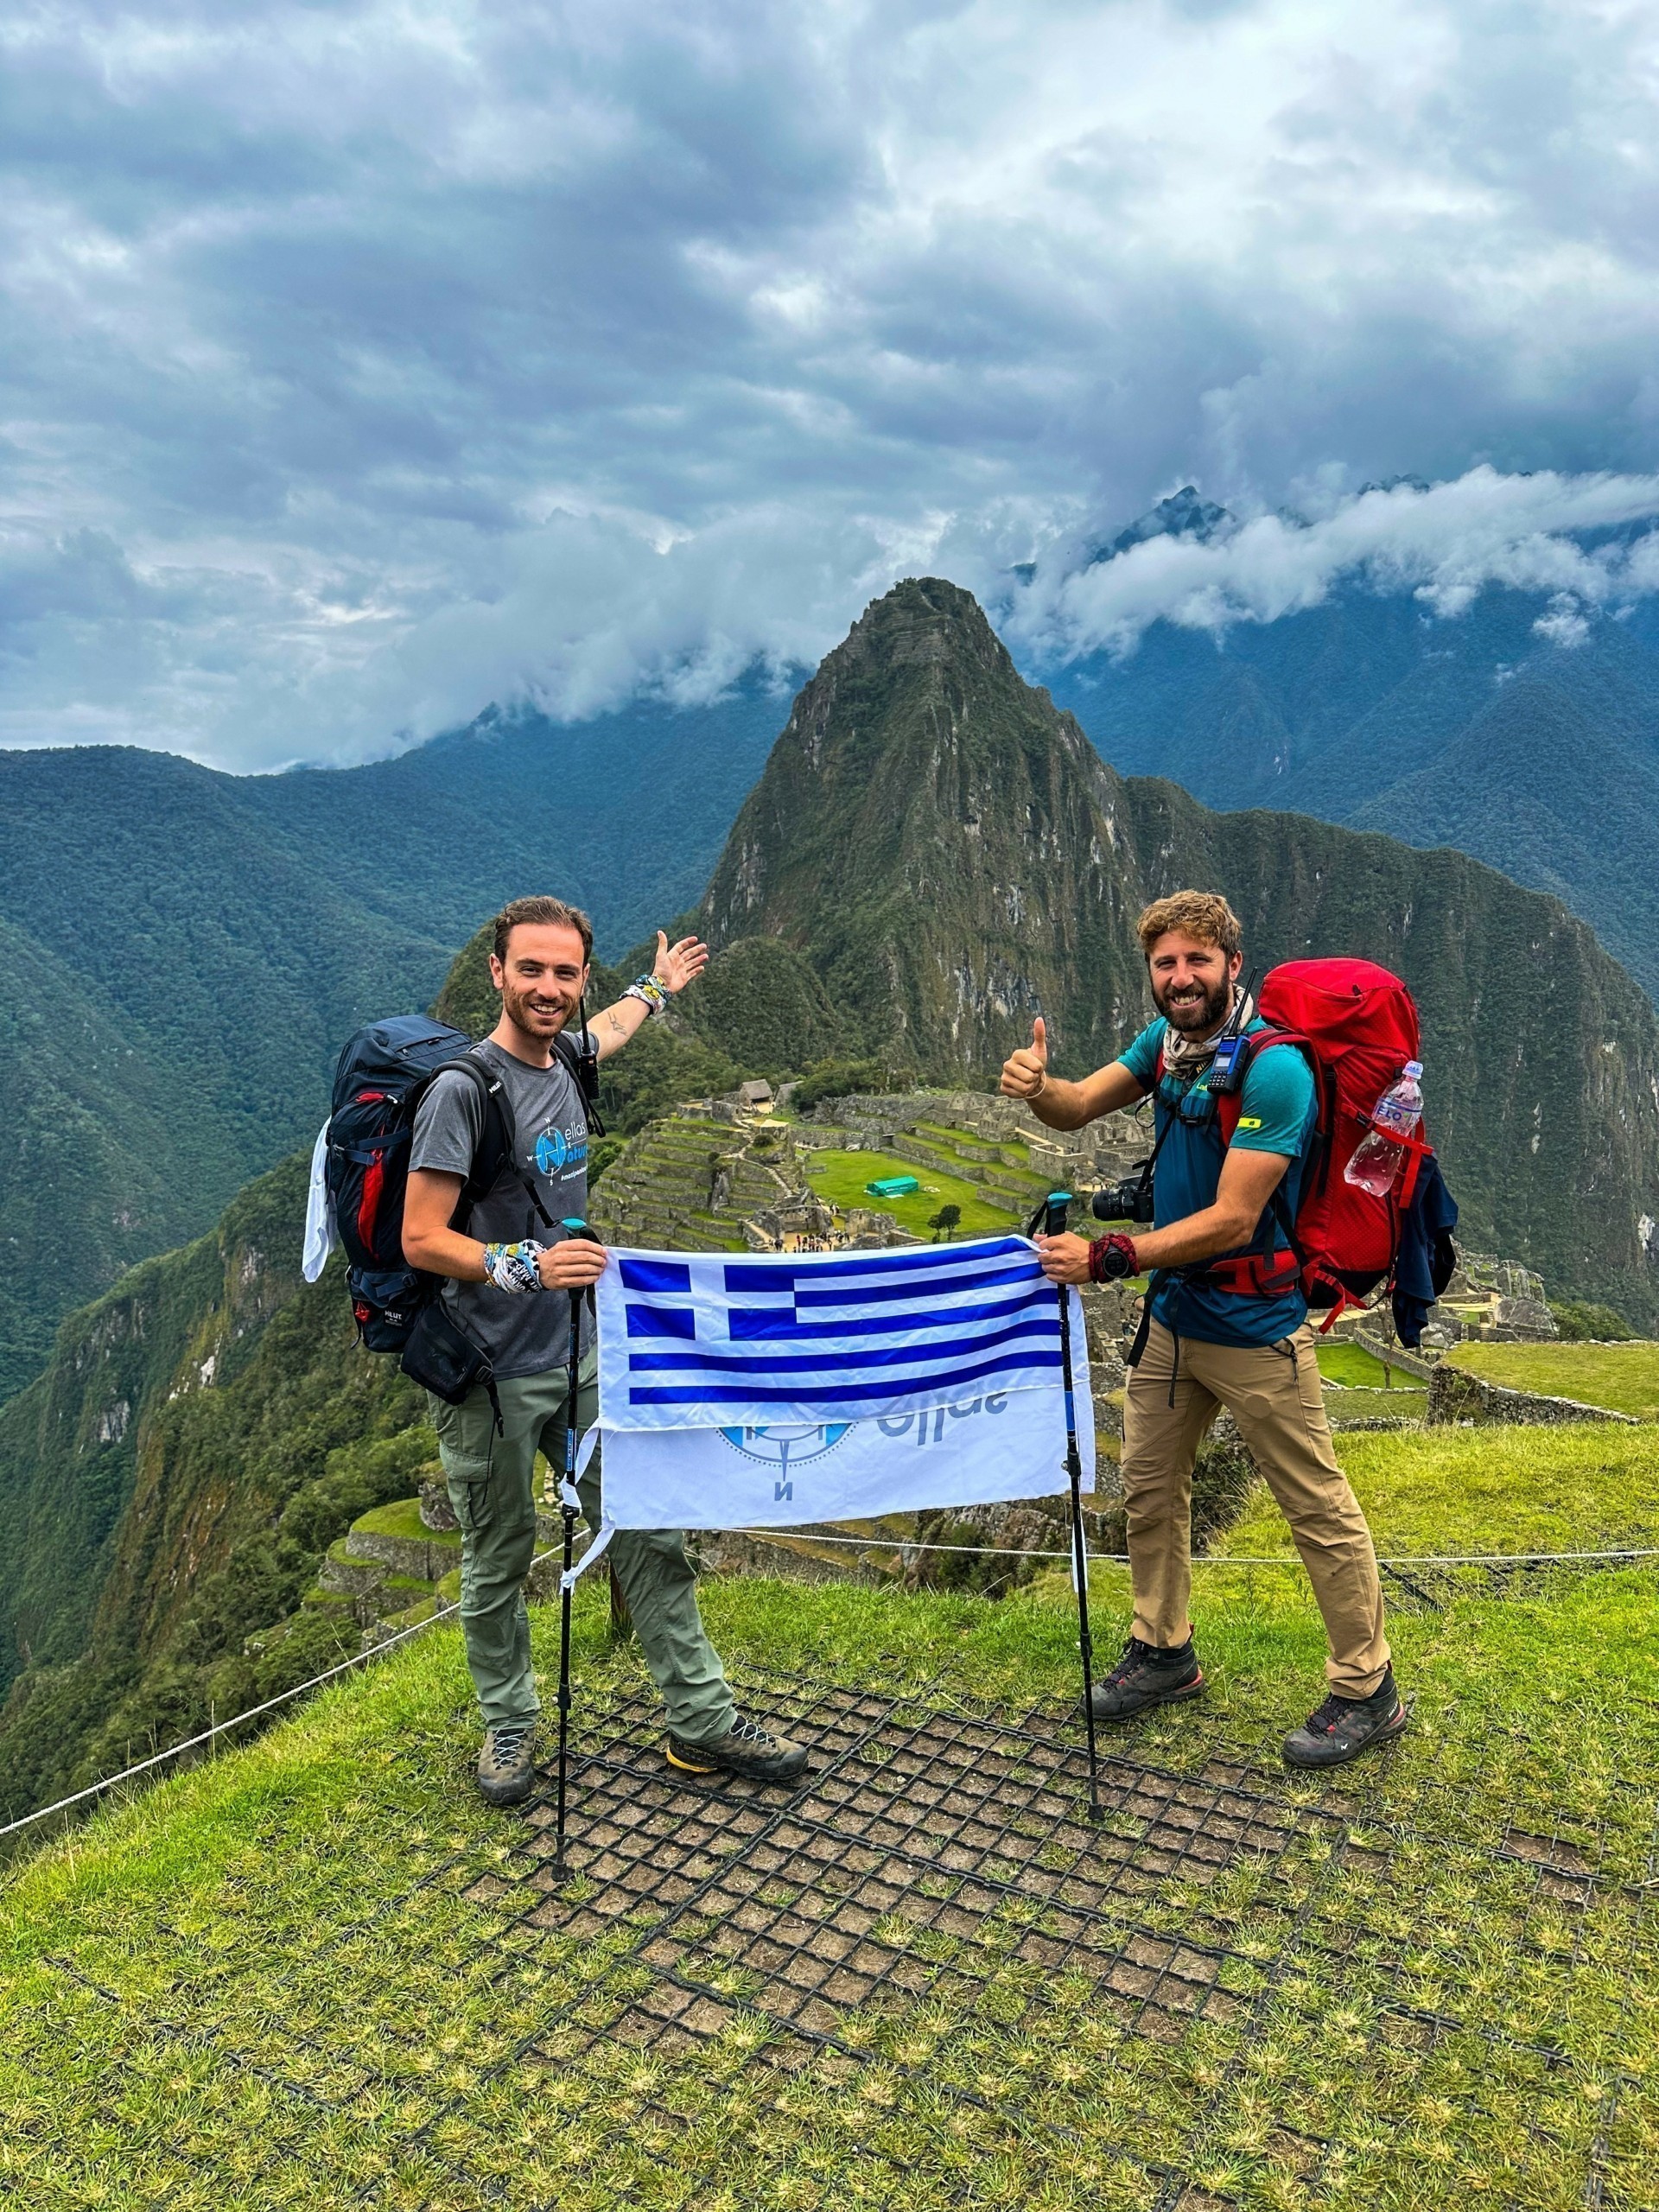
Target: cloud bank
(369,361)
(1443,543)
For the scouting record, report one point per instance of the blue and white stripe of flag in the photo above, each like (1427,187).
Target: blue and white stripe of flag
(695,1340)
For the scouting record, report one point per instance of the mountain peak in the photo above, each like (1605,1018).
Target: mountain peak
(1185,513)
(922,812)
(949,855)
(921,618)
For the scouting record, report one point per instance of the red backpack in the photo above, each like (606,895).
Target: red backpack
(1356,1026)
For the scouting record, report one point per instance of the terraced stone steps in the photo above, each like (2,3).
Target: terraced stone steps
(397,1564)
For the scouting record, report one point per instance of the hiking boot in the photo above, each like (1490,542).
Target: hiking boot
(1147,1675)
(746,1749)
(1344,1726)
(507,1765)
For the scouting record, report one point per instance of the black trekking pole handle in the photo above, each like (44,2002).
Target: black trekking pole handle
(572,1229)
(1051,1214)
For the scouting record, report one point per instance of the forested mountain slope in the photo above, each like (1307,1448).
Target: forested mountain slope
(949,853)
(182,952)
(1534,748)
(200,1434)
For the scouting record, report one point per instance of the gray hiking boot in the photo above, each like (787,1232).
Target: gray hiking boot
(1343,1727)
(507,1765)
(1146,1675)
(745,1749)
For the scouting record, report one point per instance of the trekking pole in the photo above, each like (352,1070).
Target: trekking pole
(1051,1214)
(568,1503)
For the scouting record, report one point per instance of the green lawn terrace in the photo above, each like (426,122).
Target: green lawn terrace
(989,1143)
(712,1177)
(319,1972)
(1622,1377)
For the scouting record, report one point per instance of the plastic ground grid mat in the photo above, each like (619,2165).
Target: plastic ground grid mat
(929,1936)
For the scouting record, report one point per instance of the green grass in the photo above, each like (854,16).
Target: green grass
(840,1177)
(294,1977)
(1582,1486)
(1357,1368)
(1622,1377)
(403,1518)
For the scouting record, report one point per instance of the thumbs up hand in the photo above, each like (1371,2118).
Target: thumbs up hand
(1024,1073)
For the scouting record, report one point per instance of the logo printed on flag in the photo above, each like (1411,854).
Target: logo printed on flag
(701,1340)
(779,1449)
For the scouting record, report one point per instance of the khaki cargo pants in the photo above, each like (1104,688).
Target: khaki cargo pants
(1273,1392)
(491,1480)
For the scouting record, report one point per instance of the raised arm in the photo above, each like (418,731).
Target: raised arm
(675,966)
(1063,1105)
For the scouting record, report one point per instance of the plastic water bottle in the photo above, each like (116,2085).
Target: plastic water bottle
(1379,1155)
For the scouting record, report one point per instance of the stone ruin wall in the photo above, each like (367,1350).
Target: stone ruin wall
(1490,1299)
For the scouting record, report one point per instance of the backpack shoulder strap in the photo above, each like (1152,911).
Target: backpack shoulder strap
(568,1052)
(494,1148)
(583,1071)
(1230,1104)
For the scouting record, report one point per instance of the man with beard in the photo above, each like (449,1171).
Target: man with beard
(1210,1340)
(508,1286)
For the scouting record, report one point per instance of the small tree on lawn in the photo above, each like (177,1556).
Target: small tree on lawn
(944,1221)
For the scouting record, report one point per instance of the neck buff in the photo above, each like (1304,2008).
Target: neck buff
(1188,1057)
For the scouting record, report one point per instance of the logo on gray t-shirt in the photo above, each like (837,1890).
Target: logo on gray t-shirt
(526,1334)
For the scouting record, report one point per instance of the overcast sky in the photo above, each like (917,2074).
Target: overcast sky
(365,363)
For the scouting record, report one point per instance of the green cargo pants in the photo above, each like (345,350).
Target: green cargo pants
(491,1480)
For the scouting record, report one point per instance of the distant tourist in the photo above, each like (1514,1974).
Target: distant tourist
(1227,1325)
(500,1279)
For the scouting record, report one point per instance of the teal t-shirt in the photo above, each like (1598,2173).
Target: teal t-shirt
(1277,1112)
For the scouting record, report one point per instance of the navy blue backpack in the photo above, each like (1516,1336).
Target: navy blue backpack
(381,1074)
(379,1081)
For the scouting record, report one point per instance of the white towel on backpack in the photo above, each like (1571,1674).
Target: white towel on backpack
(322,1231)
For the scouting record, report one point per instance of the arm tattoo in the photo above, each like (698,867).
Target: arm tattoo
(619,1027)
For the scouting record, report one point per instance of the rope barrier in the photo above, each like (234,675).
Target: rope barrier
(861,1544)
(190,1743)
(1221,1558)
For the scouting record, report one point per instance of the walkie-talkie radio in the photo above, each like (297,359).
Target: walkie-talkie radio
(1232,1053)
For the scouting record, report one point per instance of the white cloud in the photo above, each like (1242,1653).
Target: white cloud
(1444,542)
(1564,622)
(372,361)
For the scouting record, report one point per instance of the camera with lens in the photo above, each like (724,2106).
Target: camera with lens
(1127,1200)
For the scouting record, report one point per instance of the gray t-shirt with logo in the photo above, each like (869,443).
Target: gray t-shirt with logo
(525,1333)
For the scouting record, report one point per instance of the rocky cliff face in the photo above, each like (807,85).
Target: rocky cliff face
(950,854)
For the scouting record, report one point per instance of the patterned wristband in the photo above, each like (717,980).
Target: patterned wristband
(1111,1258)
(512,1267)
(649,992)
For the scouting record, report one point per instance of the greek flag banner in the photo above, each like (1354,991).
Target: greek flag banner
(705,1340)
(972,1409)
